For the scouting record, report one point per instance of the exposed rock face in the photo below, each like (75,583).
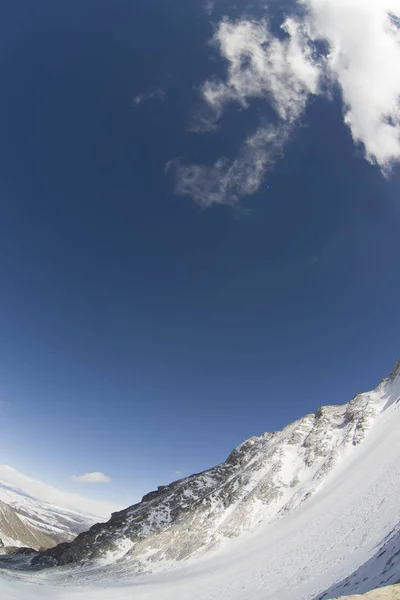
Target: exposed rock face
(388,593)
(261,480)
(395,372)
(14,531)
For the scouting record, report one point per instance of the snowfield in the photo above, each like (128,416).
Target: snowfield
(344,539)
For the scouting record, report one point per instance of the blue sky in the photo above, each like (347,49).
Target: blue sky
(153,318)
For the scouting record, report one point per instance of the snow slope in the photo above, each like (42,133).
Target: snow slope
(59,524)
(348,525)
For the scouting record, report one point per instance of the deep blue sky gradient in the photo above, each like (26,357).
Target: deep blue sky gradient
(140,335)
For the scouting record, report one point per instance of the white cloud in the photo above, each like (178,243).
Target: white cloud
(150,96)
(363,55)
(364,59)
(48,493)
(95,477)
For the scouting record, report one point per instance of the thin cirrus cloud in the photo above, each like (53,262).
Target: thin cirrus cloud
(226,181)
(209,6)
(140,98)
(362,38)
(95,477)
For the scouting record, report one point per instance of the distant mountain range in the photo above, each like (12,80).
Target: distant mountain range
(27,521)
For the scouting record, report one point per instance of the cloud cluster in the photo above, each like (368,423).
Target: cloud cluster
(95,477)
(261,65)
(362,38)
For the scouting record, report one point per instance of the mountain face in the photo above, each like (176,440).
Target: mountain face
(51,523)
(263,479)
(14,532)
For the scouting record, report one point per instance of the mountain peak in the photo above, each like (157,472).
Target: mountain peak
(395,373)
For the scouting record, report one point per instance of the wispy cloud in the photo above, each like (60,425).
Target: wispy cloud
(95,477)
(362,38)
(227,181)
(48,493)
(284,72)
(209,6)
(150,96)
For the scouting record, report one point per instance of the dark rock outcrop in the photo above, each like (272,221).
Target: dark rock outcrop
(16,550)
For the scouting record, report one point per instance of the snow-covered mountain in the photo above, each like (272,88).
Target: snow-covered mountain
(47,523)
(307,513)
(264,480)
(15,532)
